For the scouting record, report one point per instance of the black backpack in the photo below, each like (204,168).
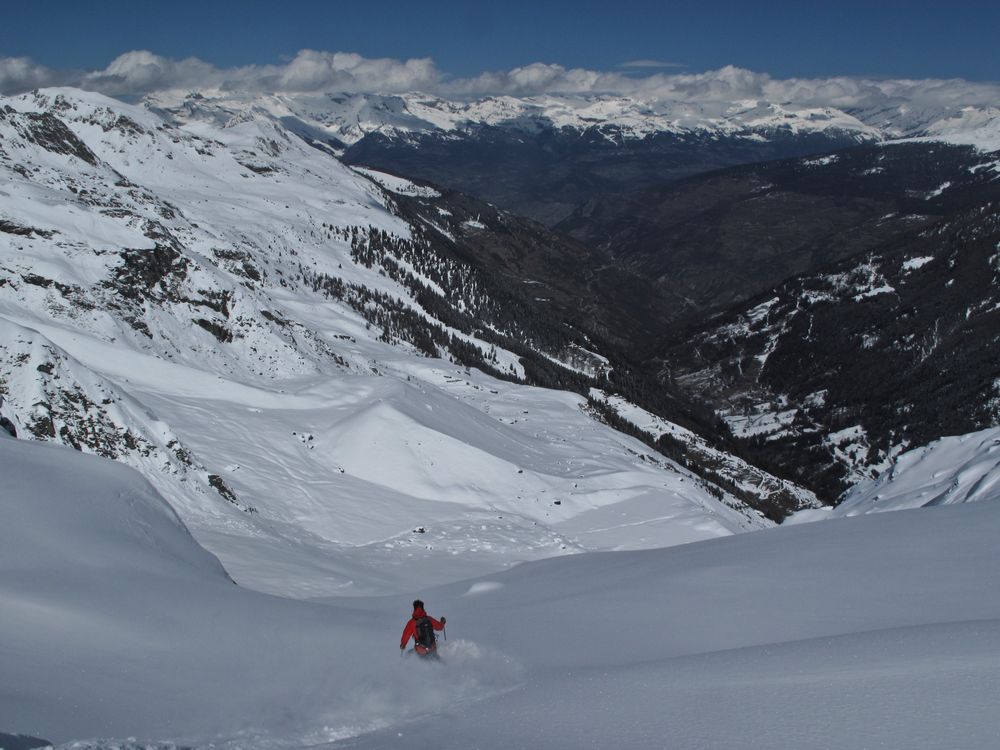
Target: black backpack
(424,633)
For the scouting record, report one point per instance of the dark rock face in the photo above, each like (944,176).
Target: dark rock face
(48,131)
(150,269)
(9,227)
(7,426)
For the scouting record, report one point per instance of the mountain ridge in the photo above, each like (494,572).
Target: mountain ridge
(222,308)
(349,117)
(542,156)
(834,373)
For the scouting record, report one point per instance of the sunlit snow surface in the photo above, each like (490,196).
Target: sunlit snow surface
(865,632)
(372,483)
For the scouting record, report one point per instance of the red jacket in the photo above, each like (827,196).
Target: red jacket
(410,630)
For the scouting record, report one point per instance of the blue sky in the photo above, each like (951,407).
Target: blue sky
(876,38)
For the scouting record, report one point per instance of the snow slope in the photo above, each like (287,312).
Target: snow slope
(116,623)
(955,469)
(970,126)
(161,304)
(873,632)
(879,631)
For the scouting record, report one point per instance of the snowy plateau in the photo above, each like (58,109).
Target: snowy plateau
(218,306)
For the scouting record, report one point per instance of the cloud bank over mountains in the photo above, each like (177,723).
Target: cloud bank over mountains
(136,73)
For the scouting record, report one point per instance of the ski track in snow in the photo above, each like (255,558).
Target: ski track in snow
(392,693)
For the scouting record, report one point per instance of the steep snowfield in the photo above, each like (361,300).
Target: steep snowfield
(956,469)
(880,631)
(873,632)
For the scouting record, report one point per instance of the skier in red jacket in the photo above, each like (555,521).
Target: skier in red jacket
(421,627)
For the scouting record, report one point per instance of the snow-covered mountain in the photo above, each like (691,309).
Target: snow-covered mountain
(349,117)
(951,470)
(247,321)
(834,373)
(542,156)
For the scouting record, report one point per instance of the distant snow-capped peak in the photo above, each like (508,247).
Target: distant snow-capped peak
(349,117)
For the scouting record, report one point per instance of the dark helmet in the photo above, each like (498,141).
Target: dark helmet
(417,604)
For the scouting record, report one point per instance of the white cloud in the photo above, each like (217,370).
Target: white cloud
(139,72)
(19,74)
(310,70)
